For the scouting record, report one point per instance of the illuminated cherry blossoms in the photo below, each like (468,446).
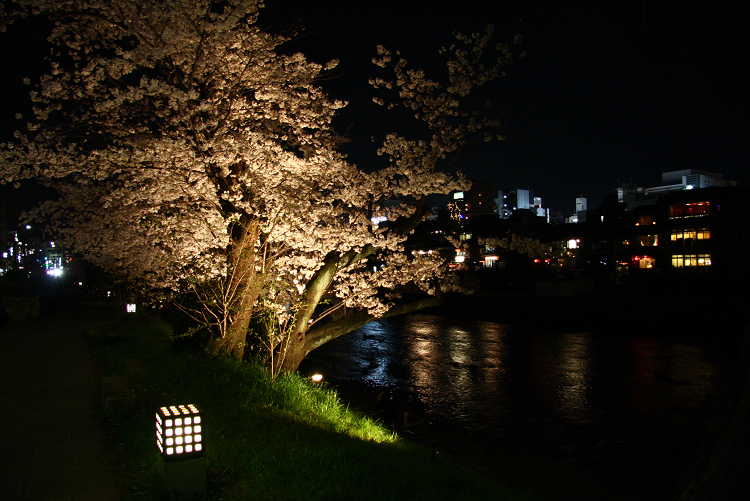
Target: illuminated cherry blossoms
(191,156)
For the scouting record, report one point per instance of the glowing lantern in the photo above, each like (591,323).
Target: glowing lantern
(179,432)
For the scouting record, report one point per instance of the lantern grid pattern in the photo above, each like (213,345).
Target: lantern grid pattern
(179,432)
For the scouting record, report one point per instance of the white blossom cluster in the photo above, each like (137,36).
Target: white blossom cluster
(187,150)
(530,246)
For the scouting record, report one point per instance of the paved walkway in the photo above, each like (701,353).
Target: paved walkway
(51,420)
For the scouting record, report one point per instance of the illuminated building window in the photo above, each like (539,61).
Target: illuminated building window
(691,260)
(688,237)
(689,210)
(490,261)
(644,262)
(646,219)
(648,240)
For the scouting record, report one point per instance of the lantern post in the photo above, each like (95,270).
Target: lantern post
(179,438)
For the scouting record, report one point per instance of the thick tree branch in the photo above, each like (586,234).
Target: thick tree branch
(318,336)
(323,278)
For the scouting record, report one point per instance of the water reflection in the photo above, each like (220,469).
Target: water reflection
(575,376)
(563,392)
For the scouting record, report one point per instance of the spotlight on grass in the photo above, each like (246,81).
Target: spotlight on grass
(317,378)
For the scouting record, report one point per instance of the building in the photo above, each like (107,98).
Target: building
(696,227)
(580,215)
(684,233)
(520,201)
(680,180)
(704,230)
(476,201)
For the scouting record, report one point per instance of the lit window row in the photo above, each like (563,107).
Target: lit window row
(691,260)
(644,262)
(695,234)
(648,240)
(689,210)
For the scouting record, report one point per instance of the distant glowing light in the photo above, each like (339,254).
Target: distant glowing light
(317,378)
(56,272)
(130,308)
(376,220)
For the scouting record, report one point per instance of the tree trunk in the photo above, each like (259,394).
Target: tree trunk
(293,350)
(242,290)
(301,342)
(232,342)
(300,346)
(292,354)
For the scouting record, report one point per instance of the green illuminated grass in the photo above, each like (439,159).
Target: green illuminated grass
(282,440)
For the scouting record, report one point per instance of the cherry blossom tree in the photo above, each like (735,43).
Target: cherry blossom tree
(192,156)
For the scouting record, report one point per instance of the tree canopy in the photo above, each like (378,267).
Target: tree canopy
(191,155)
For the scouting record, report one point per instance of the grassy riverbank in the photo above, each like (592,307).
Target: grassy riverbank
(282,439)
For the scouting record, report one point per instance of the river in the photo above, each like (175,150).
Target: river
(629,405)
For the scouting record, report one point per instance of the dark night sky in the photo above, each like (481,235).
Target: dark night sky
(607,92)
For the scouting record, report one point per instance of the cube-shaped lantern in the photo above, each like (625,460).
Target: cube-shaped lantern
(179,432)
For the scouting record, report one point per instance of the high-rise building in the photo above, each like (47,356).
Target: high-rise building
(520,199)
(581,204)
(524,198)
(477,200)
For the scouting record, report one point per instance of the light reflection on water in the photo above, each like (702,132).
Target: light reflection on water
(560,391)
